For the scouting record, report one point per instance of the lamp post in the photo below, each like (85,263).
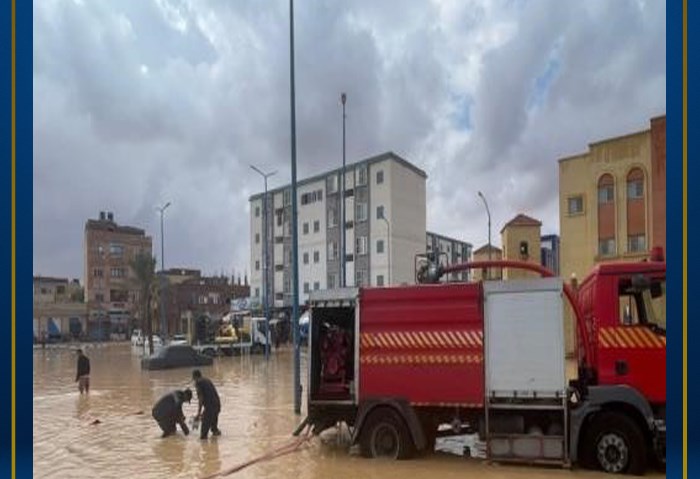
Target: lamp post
(343,99)
(163,326)
(488,214)
(265,263)
(388,244)
(295,238)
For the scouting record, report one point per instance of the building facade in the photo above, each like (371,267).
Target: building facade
(59,310)
(520,238)
(384,229)
(549,252)
(191,295)
(486,253)
(450,251)
(111,289)
(612,200)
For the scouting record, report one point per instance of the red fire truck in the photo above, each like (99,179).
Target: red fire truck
(396,363)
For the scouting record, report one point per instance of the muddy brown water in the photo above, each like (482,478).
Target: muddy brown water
(257,417)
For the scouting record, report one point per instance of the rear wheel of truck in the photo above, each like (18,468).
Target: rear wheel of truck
(615,444)
(385,435)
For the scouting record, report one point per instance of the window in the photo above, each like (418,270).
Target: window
(361,212)
(380,246)
(332,184)
(99,297)
(257,211)
(117,272)
(116,249)
(257,265)
(333,250)
(317,226)
(287,197)
(97,272)
(636,243)
(287,285)
(606,247)
(380,212)
(380,177)
(317,257)
(361,245)
(306,258)
(380,280)
(362,176)
(575,205)
(279,217)
(257,238)
(118,295)
(332,281)
(257,292)
(332,218)
(305,228)
(317,285)
(635,184)
(306,288)
(360,278)
(606,189)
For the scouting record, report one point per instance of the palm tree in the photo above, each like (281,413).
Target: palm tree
(144,266)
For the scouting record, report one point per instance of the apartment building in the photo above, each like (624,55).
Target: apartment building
(384,230)
(449,251)
(111,290)
(58,309)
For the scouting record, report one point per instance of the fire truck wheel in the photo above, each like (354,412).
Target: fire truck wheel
(385,435)
(615,444)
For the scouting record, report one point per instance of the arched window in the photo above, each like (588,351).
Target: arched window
(636,212)
(606,216)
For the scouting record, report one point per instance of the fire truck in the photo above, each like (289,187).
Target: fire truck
(398,363)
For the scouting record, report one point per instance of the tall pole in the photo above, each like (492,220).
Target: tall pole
(388,245)
(266,261)
(163,325)
(295,239)
(343,98)
(488,214)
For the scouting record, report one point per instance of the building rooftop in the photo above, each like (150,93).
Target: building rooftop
(389,155)
(107,225)
(485,249)
(522,220)
(447,238)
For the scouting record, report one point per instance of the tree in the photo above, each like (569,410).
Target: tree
(144,266)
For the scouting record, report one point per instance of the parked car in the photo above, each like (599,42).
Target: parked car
(175,356)
(179,339)
(137,338)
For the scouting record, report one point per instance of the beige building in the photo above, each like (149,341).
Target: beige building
(520,238)
(58,309)
(482,254)
(612,202)
(111,290)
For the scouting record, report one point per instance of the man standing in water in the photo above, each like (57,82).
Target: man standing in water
(208,400)
(82,377)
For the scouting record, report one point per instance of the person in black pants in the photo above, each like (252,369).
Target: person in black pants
(82,377)
(168,412)
(209,401)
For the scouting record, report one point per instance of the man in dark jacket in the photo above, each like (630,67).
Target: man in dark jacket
(168,412)
(209,401)
(82,377)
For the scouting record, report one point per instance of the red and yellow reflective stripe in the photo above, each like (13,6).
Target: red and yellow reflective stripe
(422,339)
(629,337)
(438,359)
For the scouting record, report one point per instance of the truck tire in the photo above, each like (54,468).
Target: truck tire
(614,443)
(385,435)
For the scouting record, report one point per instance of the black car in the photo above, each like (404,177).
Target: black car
(175,356)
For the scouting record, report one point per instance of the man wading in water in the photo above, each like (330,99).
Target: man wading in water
(209,401)
(168,412)
(82,377)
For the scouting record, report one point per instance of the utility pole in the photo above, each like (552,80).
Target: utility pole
(343,99)
(163,325)
(266,261)
(488,214)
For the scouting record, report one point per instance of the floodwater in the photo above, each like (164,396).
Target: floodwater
(110,433)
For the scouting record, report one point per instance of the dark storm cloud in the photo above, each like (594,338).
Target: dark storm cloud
(141,102)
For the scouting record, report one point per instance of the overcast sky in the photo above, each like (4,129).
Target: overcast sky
(139,102)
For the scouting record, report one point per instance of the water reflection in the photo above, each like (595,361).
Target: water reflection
(256,417)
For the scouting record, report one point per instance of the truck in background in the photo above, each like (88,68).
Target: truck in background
(236,333)
(395,363)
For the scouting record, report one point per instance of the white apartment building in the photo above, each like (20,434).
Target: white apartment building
(449,251)
(385,221)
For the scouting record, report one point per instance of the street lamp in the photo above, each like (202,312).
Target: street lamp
(488,214)
(265,262)
(388,243)
(163,326)
(343,99)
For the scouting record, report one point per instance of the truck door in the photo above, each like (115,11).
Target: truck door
(633,351)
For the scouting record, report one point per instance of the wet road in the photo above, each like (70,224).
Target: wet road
(256,417)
